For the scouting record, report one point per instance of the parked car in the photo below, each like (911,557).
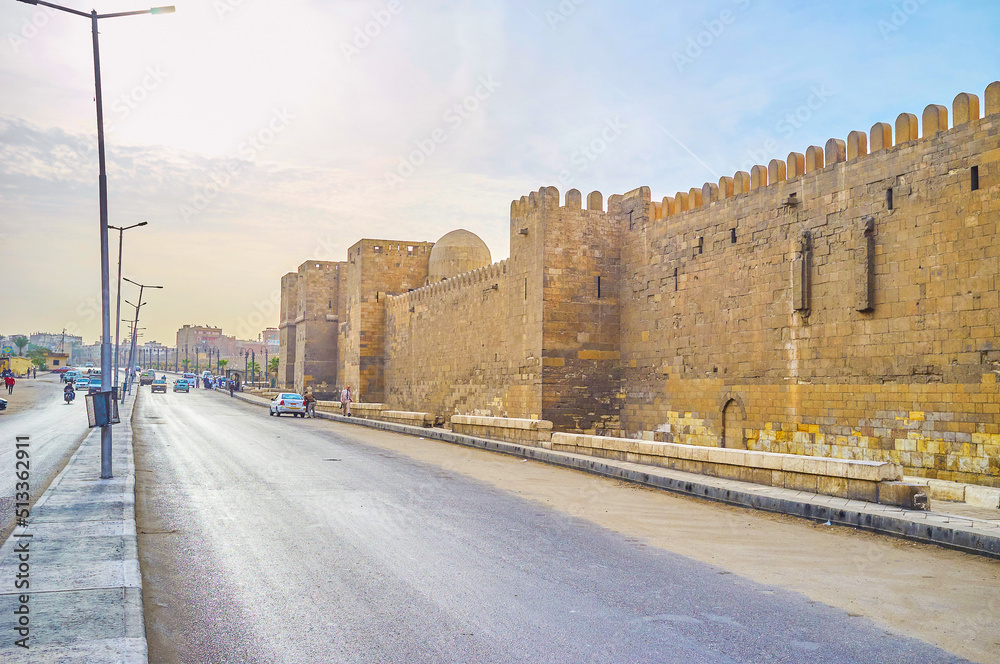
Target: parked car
(206,374)
(81,383)
(288,402)
(70,376)
(181,385)
(147,377)
(3,404)
(94,386)
(60,371)
(159,385)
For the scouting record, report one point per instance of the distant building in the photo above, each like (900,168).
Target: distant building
(192,336)
(83,354)
(57,342)
(54,360)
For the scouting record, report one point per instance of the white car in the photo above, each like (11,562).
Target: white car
(81,384)
(288,402)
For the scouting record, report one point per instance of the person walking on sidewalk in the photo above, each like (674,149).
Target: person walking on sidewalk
(345,401)
(310,404)
(9,381)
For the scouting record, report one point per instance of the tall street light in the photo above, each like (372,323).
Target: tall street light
(103,187)
(118,310)
(142,287)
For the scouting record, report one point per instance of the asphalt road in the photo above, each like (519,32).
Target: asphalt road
(54,430)
(283,540)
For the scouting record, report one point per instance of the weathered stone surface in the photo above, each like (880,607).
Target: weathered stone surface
(873,345)
(965,108)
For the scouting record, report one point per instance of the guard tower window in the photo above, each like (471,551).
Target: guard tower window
(975,178)
(701,245)
(888,197)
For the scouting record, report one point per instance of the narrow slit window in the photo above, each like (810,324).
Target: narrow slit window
(675,279)
(975,178)
(598,288)
(701,245)
(888,197)
(525,289)
(732,235)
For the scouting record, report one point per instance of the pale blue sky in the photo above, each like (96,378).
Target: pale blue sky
(323,128)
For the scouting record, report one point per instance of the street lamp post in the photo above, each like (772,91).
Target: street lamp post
(103,190)
(267,369)
(142,287)
(118,306)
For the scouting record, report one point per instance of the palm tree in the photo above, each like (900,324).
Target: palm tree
(20,342)
(185,362)
(222,365)
(272,366)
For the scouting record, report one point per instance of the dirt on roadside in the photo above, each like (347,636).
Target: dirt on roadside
(27,392)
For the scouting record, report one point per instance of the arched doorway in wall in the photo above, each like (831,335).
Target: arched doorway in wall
(734,417)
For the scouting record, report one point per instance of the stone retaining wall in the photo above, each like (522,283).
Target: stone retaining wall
(512,429)
(856,480)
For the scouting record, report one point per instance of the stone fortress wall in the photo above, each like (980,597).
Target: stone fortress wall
(841,302)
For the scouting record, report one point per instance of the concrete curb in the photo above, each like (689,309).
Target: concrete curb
(962,533)
(85,583)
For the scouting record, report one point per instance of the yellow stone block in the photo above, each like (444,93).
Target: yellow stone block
(917,415)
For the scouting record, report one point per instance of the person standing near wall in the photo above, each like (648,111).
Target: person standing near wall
(310,404)
(345,401)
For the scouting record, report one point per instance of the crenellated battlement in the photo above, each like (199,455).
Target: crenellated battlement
(459,282)
(934,119)
(548,197)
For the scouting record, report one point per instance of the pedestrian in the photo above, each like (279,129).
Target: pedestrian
(34,372)
(310,404)
(232,386)
(10,384)
(345,401)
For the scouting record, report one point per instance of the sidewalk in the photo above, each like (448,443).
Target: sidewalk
(954,525)
(85,594)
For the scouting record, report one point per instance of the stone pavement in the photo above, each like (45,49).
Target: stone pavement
(85,595)
(952,525)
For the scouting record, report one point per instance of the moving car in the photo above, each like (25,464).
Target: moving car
(190,378)
(70,376)
(159,385)
(94,386)
(147,377)
(3,404)
(81,383)
(288,402)
(181,385)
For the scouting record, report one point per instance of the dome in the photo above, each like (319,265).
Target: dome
(457,252)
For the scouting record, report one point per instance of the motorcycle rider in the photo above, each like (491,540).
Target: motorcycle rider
(69,392)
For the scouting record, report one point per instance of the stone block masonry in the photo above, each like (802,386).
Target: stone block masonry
(841,302)
(847,312)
